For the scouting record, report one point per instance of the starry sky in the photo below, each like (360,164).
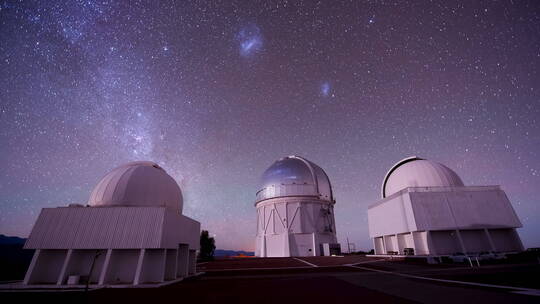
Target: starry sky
(216,91)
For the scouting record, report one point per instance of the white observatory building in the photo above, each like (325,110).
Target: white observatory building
(427,210)
(131,232)
(295,211)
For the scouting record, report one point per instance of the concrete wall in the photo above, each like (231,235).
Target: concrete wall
(122,266)
(152,269)
(80,263)
(275,245)
(192,265)
(302,244)
(445,242)
(393,216)
(421,243)
(170,264)
(183,260)
(405,240)
(390,243)
(378,245)
(475,241)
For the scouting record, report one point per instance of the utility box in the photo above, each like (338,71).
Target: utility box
(330,249)
(408,251)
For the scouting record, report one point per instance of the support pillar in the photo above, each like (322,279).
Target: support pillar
(138,271)
(415,246)
(286,245)
(518,239)
(175,265)
(395,244)
(263,246)
(30,271)
(62,276)
(105,268)
(490,240)
(183,261)
(463,248)
(431,248)
(192,261)
(164,266)
(314,236)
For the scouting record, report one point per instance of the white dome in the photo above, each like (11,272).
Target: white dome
(140,183)
(417,172)
(294,176)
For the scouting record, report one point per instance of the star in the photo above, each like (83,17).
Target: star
(217,91)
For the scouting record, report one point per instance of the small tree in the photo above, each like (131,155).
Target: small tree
(207,247)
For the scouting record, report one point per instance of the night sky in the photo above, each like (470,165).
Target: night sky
(216,91)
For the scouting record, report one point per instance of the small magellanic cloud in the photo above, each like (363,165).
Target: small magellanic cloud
(325,89)
(250,40)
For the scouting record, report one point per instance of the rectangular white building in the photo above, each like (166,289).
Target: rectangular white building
(444,221)
(111,245)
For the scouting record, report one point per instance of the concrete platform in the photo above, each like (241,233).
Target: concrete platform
(18,286)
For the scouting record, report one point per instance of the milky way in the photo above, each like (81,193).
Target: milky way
(217,91)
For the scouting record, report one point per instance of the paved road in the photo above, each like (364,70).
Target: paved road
(334,284)
(432,292)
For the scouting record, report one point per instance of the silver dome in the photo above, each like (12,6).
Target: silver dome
(294,176)
(417,172)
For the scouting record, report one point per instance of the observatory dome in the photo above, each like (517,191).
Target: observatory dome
(417,172)
(140,183)
(294,176)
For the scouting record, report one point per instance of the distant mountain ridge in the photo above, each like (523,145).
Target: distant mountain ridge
(223,252)
(14,260)
(11,240)
(14,240)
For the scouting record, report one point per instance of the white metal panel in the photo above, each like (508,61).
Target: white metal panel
(275,245)
(280,213)
(389,217)
(180,229)
(293,211)
(432,211)
(97,227)
(482,209)
(448,210)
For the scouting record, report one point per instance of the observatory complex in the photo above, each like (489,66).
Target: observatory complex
(427,210)
(295,211)
(132,232)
